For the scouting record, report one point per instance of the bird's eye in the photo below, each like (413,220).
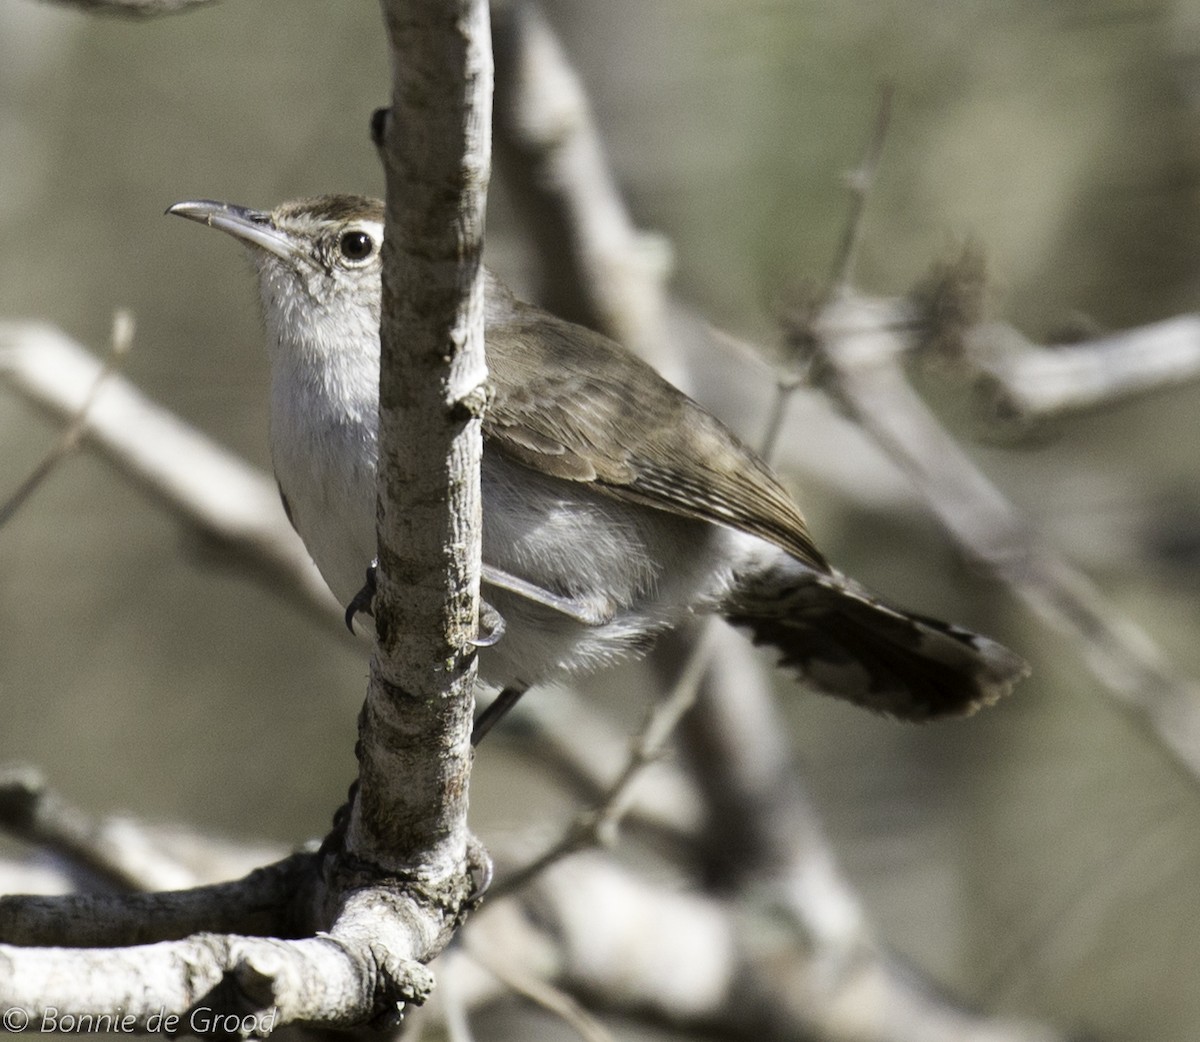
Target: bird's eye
(355,245)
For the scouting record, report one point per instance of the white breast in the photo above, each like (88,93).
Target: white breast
(647,567)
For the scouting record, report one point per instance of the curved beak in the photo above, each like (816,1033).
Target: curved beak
(253,227)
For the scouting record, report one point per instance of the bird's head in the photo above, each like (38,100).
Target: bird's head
(318,263)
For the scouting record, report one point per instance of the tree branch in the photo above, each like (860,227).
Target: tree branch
(1023,385)
(118,856)
(392,882)
(858,344)
(598,268)
(411,808)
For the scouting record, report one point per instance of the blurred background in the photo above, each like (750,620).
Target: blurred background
(1041,858)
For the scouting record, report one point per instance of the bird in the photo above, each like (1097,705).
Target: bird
(614,506)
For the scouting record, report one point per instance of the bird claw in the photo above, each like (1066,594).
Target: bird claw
(360,603)
(491,626)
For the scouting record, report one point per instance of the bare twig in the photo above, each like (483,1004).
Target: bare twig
(860,183)
(564,734)
(68,441)
(541,993)
(599,825)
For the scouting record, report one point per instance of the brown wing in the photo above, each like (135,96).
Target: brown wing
(573,404)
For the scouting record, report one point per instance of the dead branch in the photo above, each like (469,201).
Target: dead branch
(1021,384)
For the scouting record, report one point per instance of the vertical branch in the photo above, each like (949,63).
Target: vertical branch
(415,751)
(596,267)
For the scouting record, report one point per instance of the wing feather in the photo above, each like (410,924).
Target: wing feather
(573,404)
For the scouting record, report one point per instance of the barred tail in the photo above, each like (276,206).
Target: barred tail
(847,643)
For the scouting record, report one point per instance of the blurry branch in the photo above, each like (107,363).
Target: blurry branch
(1021,384)
(763,835)
(703,964)
(538,991)
(860,182)
(756,812)
(598,826)
(855,345)
(598,268)
(68,441)
(665,806)
(231,508)
(135,8)
(453,1008)
(114,852)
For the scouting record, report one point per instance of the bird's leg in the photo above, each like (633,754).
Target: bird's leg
(360,603)
(491,630)
(492,715)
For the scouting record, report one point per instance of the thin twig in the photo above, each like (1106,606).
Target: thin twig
(542,993)
(72,435)
(598,826)
(860,182)
(548,735)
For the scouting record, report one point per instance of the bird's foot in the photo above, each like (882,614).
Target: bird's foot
(361,602)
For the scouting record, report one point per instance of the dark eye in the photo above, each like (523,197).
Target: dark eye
(356,245)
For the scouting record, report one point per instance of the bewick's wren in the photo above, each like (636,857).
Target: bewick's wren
(613,505)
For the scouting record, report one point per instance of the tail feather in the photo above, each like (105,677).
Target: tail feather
(848,643)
